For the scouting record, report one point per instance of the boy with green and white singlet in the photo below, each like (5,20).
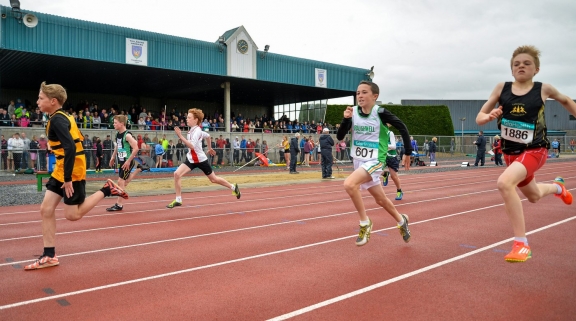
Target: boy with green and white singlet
(369,149)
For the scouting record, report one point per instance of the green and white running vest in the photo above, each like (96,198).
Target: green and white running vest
(369,136)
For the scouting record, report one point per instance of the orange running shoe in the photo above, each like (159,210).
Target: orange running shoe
(519,253)
(115,190)
(565,196)
(42,262)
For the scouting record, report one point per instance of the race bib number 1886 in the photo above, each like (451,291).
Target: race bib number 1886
(517,131)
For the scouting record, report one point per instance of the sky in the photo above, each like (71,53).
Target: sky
(420,49)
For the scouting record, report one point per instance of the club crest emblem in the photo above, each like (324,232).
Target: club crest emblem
(321,77)
(136,51)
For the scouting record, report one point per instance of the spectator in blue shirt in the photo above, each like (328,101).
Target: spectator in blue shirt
(243,149)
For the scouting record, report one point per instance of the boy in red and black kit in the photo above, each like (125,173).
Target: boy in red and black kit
(524,143)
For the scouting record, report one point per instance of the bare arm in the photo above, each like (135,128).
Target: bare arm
(488,113)
(565,101)
(134,144)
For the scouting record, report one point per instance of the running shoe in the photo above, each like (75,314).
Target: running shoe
(236,191)
(565,196)
(399,196)
(115,208)
(404,231)
(115,190)
(364,234)
(173,204)
(385,174)
(42,262)
(520,253)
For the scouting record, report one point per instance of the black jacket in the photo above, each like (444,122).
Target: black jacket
(481,142)
(294,149)
(326,143)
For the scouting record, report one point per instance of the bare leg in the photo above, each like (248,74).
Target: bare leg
(76,212)
(47,212)
(123,183)
(352,187)
(181,171)
(219,180)
(395,178)
(380,197)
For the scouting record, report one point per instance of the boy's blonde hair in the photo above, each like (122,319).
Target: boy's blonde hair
(121,118)
(54,91)
(198,114)
(530,50)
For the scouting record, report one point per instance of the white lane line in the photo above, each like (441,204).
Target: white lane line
(260,226)
(445,177)
(406,275)
(294,313)
(339,190)
(234,213)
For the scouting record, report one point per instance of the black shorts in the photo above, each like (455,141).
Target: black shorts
(125,174)
(392,163)
(77,198)
(204,166)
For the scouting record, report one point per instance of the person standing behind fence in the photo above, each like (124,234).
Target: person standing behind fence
(236,154)
(433,149)
(25,151)
(42,147)
(243,157)
(220,145)
(426,147)
(497,149)
(326,144)
(34,151)
(87,145)
(17,147)
(107,149)
(555,148)
(572,144)
(294,150)
(179,151)
(481,152)
(99,155)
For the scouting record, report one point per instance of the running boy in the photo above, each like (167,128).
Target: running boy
(393,165)
(125,149)
(524,142)
(195,158)
(68,178)
(369,150)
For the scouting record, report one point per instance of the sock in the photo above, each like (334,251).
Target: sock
(365,223)
(401,222)
(521,239)
(558,189)
(179,199)
(233,187)
(49,251)
(119,205)
(399,190)
(106,191)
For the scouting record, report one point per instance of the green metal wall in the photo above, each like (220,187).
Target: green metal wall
(297,71)
(67,37)
(74,38)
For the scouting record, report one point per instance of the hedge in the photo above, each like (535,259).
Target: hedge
(420,120)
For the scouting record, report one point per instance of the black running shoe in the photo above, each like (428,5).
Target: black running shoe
(115,208)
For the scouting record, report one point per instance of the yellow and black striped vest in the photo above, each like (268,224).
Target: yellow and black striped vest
(79,172)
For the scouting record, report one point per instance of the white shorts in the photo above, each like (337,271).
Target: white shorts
(374,168)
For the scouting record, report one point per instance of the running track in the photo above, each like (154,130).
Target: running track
(289,252)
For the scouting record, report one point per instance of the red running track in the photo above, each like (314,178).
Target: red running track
(289,251)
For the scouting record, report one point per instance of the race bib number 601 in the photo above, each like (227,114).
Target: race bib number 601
(365,150)
(517,131)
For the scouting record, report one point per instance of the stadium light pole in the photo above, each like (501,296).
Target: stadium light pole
(462,134)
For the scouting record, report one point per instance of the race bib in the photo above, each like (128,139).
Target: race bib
(364,150)
(517,131)
(121,154)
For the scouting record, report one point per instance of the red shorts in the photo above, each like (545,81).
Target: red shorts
(532,159)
